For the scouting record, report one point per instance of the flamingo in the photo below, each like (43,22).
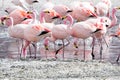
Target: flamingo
(63,31)
(20,3)
(104,9)
(24,3)
(62,9)
(117,34)
(18,15)
(47,5)
(80,11)
(12,8)
(32,37)
(32,1)
(46,24)
(108,24)
(48,17)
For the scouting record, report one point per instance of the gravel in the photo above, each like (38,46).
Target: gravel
(11,69)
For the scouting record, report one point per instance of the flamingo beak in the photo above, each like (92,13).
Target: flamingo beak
(69,11)
(64,17)
(35,1)
(93,14)
(55,17)
(44,32)
(6,11)
(118,8)
(96,30)
(114,35)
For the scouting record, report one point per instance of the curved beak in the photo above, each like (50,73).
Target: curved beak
(6,11)
(69,11)
(35,1)
(114,35)
(45,31)
(55,17)
(96,30)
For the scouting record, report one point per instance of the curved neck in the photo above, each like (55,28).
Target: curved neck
(42,14)
(70,19)
(34,17)
(10,22)
(114,18)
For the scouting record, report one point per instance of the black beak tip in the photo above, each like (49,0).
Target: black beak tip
(35,1)
(116,35)
(43,32)
(96,30)
(69,11)
(55,17)
(6,11)
(25,19)
(91,16)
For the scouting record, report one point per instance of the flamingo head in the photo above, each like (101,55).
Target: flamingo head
(29,15)
(52,13)
(106,21)
(91,13)
(6,20)
(3,19)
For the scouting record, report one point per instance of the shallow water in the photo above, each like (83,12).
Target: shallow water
(10,49)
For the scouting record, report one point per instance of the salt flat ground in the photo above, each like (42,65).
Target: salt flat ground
(14,69)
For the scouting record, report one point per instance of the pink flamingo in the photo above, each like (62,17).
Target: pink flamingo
(80,11)
(47,5)
(63,31)
(12,8)
(18,15)
(32,37)
(32,1)
(48,17)
(62,9)
(104,9)
(30,33)
(100,34)
(20,3)
(48,25)
(117,34)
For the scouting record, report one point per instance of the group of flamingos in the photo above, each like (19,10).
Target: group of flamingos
(79,20)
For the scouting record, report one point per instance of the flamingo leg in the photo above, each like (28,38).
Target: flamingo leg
(84,51)
(21,49)
(46,49)
(24,53)
(18,46)
(35,48)
(30,51)
(118,58)
(93,46)
(63,48)
(105,41)
(101,48)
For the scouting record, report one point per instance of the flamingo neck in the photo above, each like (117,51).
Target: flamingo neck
(10,23)
(42,20)
(70,19)
(34,17)
(114,18)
